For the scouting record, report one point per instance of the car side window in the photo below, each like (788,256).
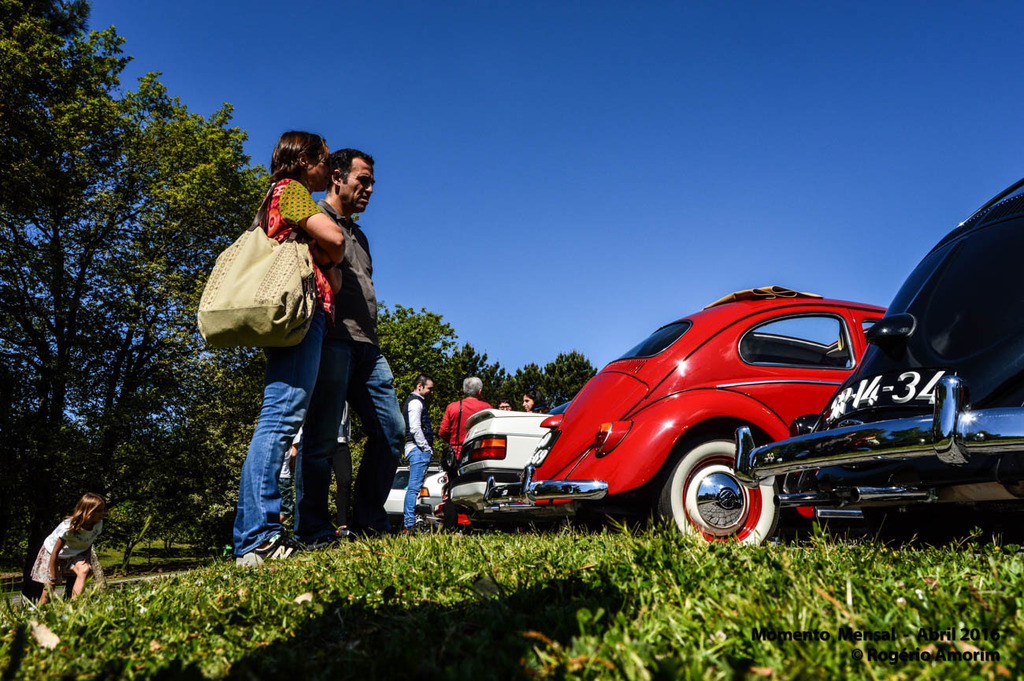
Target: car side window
(811,341)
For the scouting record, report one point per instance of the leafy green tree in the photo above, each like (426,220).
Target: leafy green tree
(466,362)
(525,378)
(415,343)
(558,381)
(110,215)
(566,376)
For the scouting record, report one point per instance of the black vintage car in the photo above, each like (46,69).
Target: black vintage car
(929,431)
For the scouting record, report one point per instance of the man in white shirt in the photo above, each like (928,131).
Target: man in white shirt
(419,444)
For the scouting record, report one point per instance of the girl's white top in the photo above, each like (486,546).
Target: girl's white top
(74,542)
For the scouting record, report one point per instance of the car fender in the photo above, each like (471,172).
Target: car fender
(657,429)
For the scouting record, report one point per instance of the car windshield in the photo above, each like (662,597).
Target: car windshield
(658,341)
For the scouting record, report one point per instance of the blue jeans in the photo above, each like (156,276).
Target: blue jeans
(287,389)
(418,460)
(357,373)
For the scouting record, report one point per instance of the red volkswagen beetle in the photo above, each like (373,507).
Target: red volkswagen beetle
(654,430)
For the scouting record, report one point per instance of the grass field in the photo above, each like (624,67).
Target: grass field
(568,605)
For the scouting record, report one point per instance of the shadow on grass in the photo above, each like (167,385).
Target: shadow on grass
(483,637)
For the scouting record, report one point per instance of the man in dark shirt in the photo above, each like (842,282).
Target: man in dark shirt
(352,369)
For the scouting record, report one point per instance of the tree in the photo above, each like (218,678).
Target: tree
(558,381)
(466,362)
(566,376)
(110,217)
(415,343)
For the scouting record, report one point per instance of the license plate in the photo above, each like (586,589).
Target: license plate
(903,388)
(544,447)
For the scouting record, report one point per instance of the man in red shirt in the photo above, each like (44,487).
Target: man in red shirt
(453,425)
(453,432)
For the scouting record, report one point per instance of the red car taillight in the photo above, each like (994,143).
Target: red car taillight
(488,448)
(609,435)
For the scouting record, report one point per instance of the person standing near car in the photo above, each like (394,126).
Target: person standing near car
(453,424)
(352,369)
(419,445)
(533,402)
(453,431)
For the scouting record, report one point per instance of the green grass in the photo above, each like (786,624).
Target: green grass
(569,605)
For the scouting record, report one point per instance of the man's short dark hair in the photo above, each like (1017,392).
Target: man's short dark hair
(341,161)
(422,380)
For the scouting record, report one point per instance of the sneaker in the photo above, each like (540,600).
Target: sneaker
(365,533)
(280,546)
(344,533)
(326,541)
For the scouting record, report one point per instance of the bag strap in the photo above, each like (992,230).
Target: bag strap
(458,426)
(263,216)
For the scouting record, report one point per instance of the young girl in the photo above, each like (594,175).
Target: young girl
(66,551)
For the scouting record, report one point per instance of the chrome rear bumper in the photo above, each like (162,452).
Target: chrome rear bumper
(525,494)
(952,433)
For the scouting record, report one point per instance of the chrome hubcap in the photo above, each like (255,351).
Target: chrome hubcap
(721,502)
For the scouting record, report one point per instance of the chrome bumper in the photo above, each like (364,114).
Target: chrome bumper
(952,434)
(525,494)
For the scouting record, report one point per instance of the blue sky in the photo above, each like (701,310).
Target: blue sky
(571,175)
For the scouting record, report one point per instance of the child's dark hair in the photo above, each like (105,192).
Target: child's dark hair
(293,146)
(86,507)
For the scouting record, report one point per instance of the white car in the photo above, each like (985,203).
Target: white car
(429,497)
(498,445)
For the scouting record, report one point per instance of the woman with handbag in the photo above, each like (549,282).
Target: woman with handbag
(298,166)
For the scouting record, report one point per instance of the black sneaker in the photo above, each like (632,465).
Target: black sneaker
(327,541)
(280,546)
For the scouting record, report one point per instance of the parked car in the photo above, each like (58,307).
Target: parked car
(428,500)
(930,425)
(498,445)
(653,430)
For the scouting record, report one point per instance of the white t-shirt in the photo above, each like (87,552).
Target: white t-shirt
(74,542)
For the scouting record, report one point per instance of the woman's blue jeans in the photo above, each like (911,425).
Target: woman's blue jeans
(287,388)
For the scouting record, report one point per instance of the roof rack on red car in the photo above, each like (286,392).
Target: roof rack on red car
(762,293)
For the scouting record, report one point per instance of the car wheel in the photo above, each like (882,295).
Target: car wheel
(702,496)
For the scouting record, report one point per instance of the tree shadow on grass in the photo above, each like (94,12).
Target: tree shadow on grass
(484,637)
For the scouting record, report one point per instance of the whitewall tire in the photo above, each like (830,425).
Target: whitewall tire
(702,496)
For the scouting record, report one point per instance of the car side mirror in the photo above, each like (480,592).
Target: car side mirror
(893,328)
(802,425)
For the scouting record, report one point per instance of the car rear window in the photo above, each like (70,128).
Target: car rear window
(978,301)
(658,341)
